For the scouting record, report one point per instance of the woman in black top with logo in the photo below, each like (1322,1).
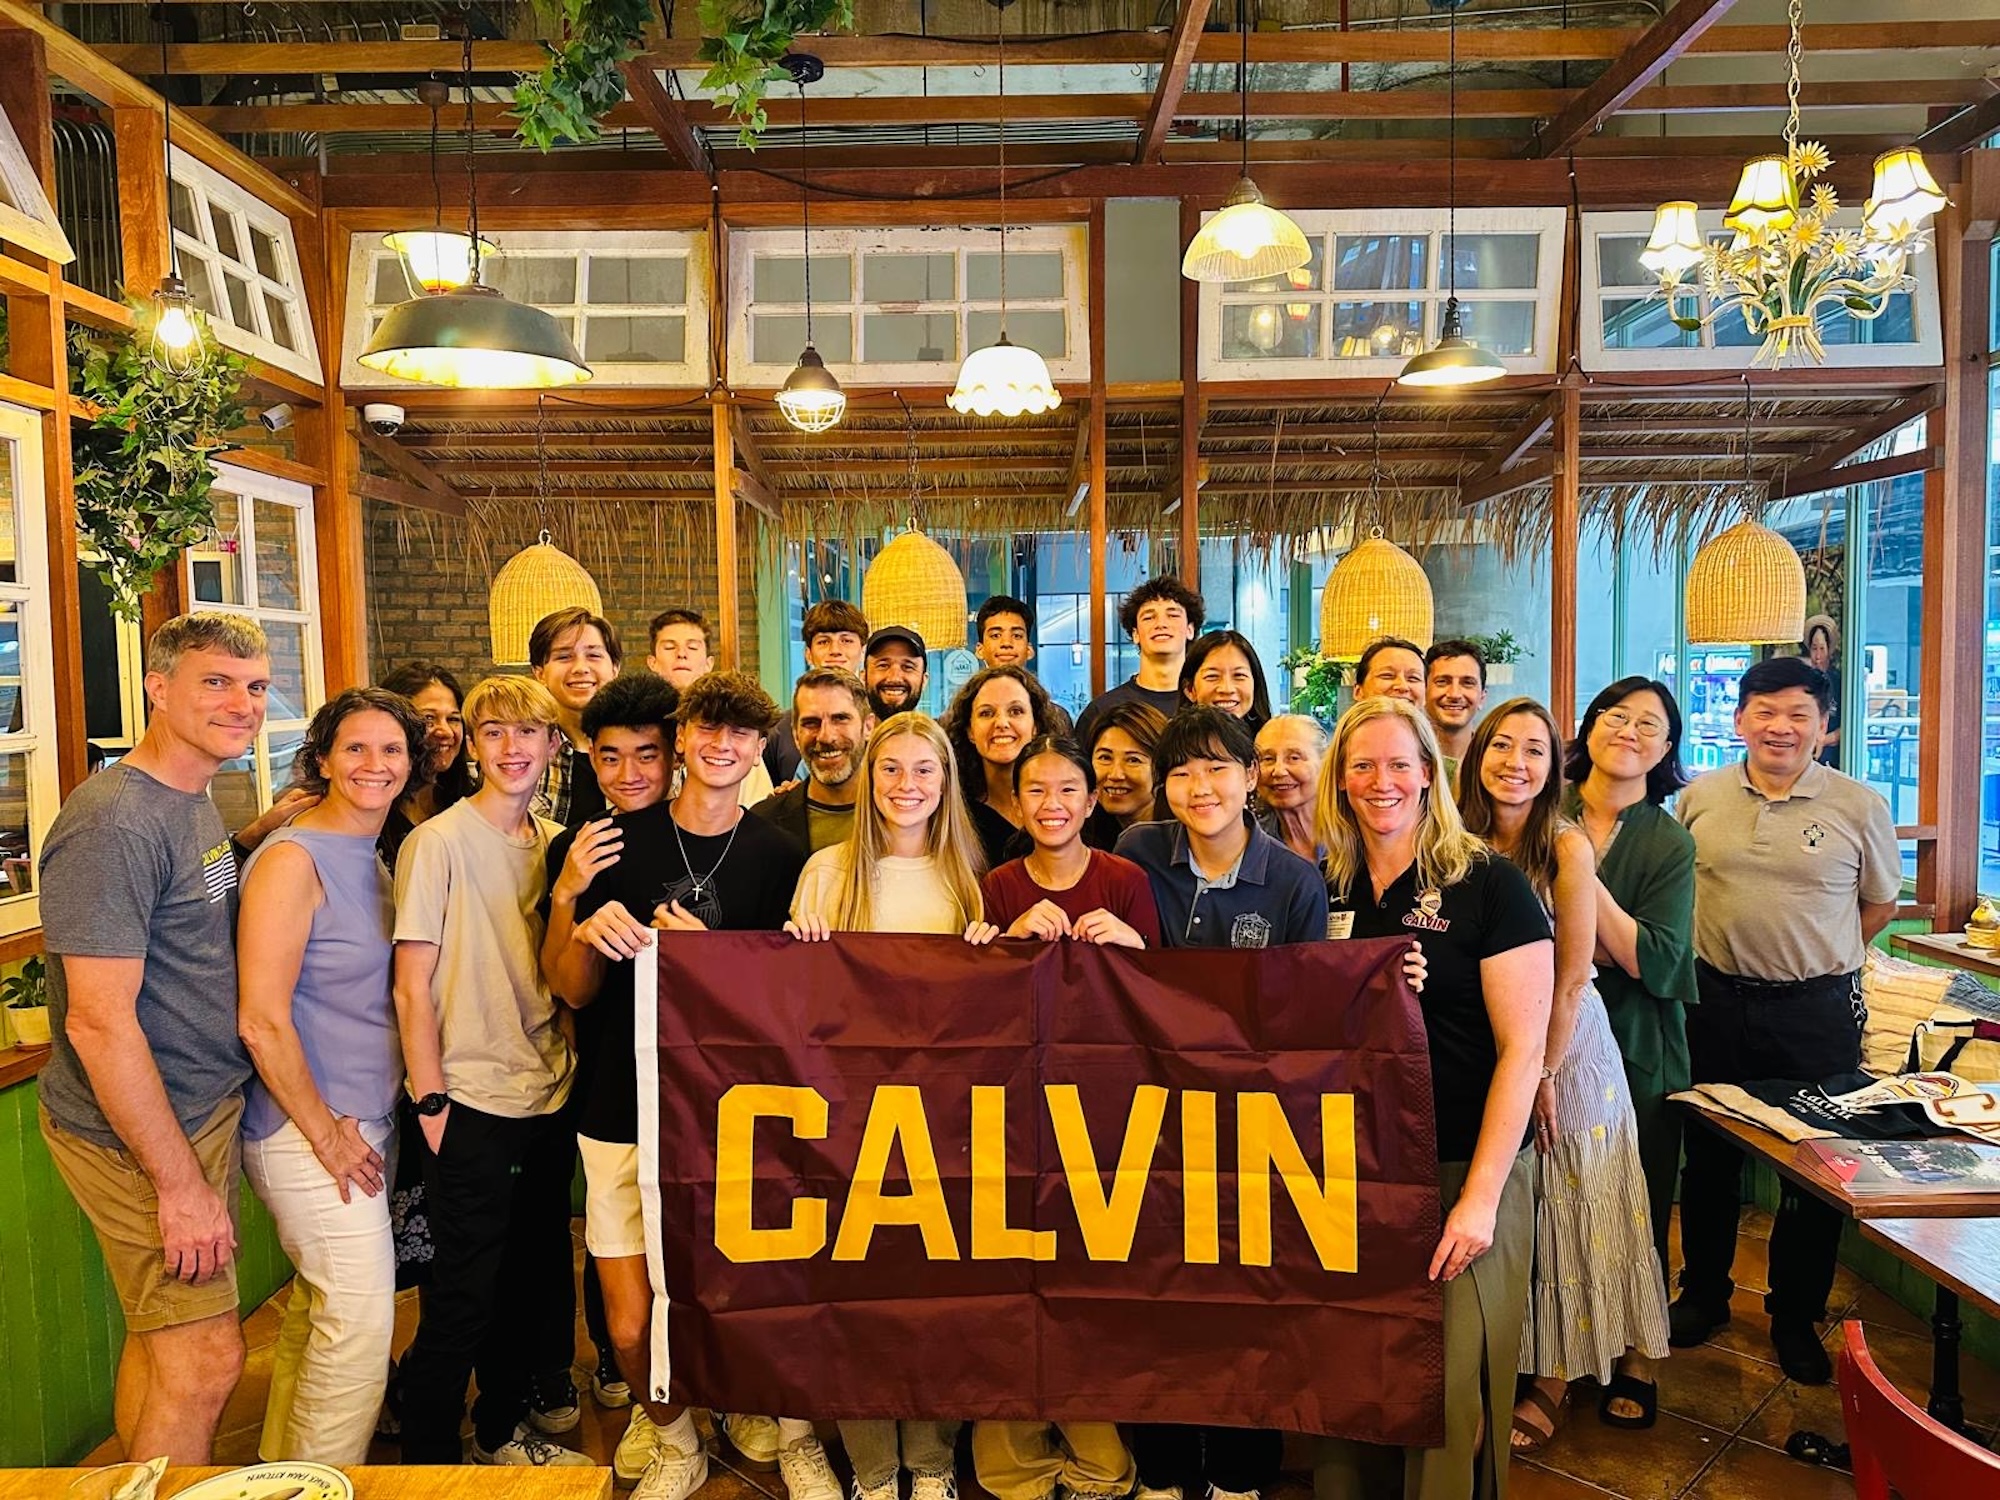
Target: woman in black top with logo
(1400,864)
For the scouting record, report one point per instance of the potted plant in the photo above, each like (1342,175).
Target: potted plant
(27,998)
(1499,651)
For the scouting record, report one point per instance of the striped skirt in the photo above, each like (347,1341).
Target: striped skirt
(1597,1286)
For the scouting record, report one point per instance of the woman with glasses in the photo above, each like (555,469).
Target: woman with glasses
(1622,767)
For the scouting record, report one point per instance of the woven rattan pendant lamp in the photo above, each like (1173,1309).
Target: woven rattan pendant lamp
(536,581)
(913,580)
(1746,587)
(1378,589)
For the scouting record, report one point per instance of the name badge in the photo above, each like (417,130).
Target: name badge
(1339,924)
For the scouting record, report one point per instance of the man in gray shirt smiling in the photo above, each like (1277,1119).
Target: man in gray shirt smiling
(1796,871)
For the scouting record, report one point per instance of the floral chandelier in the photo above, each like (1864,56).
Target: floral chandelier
(1786,262)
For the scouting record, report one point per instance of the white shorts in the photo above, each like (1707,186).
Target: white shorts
(613,1222)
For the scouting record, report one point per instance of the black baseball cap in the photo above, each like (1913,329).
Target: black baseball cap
(889,633)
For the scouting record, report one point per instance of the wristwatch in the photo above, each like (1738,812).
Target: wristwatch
(432,1104)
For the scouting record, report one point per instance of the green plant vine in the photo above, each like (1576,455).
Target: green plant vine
(582,81)
(742,43)
(144,464)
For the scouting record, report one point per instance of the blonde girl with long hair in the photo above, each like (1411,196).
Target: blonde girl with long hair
(1401,864)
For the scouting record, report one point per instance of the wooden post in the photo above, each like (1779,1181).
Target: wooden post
(1566,521)
(725,534)
(1951,670)
(324,440)
(1099,501)
(1191,413)
(140,137)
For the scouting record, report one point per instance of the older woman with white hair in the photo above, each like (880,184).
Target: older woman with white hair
(1289,751)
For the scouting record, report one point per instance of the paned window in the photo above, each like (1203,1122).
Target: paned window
(237,255)
(28,790)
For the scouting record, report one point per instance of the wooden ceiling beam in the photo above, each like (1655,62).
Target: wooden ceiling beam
(753,492)
(1862,431)
(1966,128)
(1634,68)
(407,466)
(395,492)
(1535,471)
(750,450)
(1181,45)
(1892,467)
(1511,449)
(661,110)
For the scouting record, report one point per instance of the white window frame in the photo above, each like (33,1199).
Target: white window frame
(1546,224)
(1708,355)
(1070,241)
(27,218)
(211,190)
(245,486)
(366,252)
(21,434)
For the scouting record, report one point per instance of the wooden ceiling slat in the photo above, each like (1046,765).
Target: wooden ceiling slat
(1634,68)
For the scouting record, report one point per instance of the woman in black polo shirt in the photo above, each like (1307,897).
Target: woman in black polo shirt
(1400,864)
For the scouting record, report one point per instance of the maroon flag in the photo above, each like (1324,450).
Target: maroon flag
(901,1176)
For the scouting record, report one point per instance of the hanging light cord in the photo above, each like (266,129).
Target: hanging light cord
(1794,56)
(471,155)
(1003,185)
(167,148)
(1243,86)
(437,179)
(1451,169)
(1750,455)
(806,208)
(910,431)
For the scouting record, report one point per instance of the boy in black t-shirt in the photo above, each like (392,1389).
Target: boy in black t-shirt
(697,863)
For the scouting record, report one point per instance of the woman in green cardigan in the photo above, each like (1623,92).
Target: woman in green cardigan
(1623,765)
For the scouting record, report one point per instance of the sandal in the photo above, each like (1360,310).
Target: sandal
(1527,1438)
(1644,1394)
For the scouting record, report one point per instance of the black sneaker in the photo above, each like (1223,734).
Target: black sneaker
(1690,1323)
(608,1386)
(1800,1353)
(552,1403)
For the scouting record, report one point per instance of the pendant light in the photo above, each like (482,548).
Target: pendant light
(913,581)
(176,343)
(1249,240)
(1454,359)
(435,259)
(810,398)
(1746,587)
(1377,589)
(471,336)
(538,580)
(1003,379)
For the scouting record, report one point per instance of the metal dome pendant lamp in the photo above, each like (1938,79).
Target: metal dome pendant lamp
(1248,240)
(472,337)
(1377,589)
(1746,587)
(435,259)
(1454,360)
(176,345)
(1004,379)
(810,398)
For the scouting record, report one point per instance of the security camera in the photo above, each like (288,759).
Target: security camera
(383,417)
(276,418)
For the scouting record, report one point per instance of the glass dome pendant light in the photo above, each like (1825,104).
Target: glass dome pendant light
(1454,360)
(176,345)
(1248,240)
(435,259)
(1004,379)
(810,398)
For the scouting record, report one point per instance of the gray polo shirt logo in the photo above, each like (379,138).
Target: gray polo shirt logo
(1814,836)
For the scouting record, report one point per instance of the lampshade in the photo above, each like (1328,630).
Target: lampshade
(811,398)
(914,582)
(1005,380)
(536,581)
(1746,587)
(1247,241)
(1677,245)
(1378,589)
(475,338)
(435,260)
(1904,193)
(1454,360)
(1767,196)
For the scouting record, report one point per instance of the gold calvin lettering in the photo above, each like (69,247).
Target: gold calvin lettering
(896,1115)
(1108,1221)
(1201,1219)
(992,1237)
(735,1170)
(1264,1140)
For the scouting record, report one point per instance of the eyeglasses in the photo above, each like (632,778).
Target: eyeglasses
(1648,727)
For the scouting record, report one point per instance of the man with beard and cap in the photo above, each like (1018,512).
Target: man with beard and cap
(894,670)
(831,717)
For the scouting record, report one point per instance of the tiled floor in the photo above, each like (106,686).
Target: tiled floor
(1725,1411)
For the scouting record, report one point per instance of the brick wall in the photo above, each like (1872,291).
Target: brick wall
(429,575)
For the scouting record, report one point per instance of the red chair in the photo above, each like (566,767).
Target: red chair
(1896,1443)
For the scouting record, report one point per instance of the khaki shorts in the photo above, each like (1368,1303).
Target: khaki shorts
(118,1198)
(613,1222)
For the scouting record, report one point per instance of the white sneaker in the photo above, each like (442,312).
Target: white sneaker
(933,1486)
(635,1449)
(807,1473)
(1166,1492)
(888,1489)
(756,1438)
(1217,1493)
(529,1447)
(672,1475)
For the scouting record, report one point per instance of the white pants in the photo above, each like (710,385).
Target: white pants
(331,1362)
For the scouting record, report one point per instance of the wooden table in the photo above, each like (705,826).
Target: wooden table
(466,1482)
(1949,948)
(1932,1225)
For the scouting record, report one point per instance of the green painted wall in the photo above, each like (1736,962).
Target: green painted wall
(60,1329)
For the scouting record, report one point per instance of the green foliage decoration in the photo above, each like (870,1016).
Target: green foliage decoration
(28,989)
(582,81)
(741,43)
(1319,693)
(1497,648)
(144,464)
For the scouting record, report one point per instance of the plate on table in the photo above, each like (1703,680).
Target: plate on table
(299,1481)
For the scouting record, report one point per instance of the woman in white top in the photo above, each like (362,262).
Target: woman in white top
(911,864)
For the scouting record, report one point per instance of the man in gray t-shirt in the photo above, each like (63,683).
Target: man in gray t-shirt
(142,1096)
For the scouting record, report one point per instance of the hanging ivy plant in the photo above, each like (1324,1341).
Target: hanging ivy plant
(741,43)
(144,464)
(582,81)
